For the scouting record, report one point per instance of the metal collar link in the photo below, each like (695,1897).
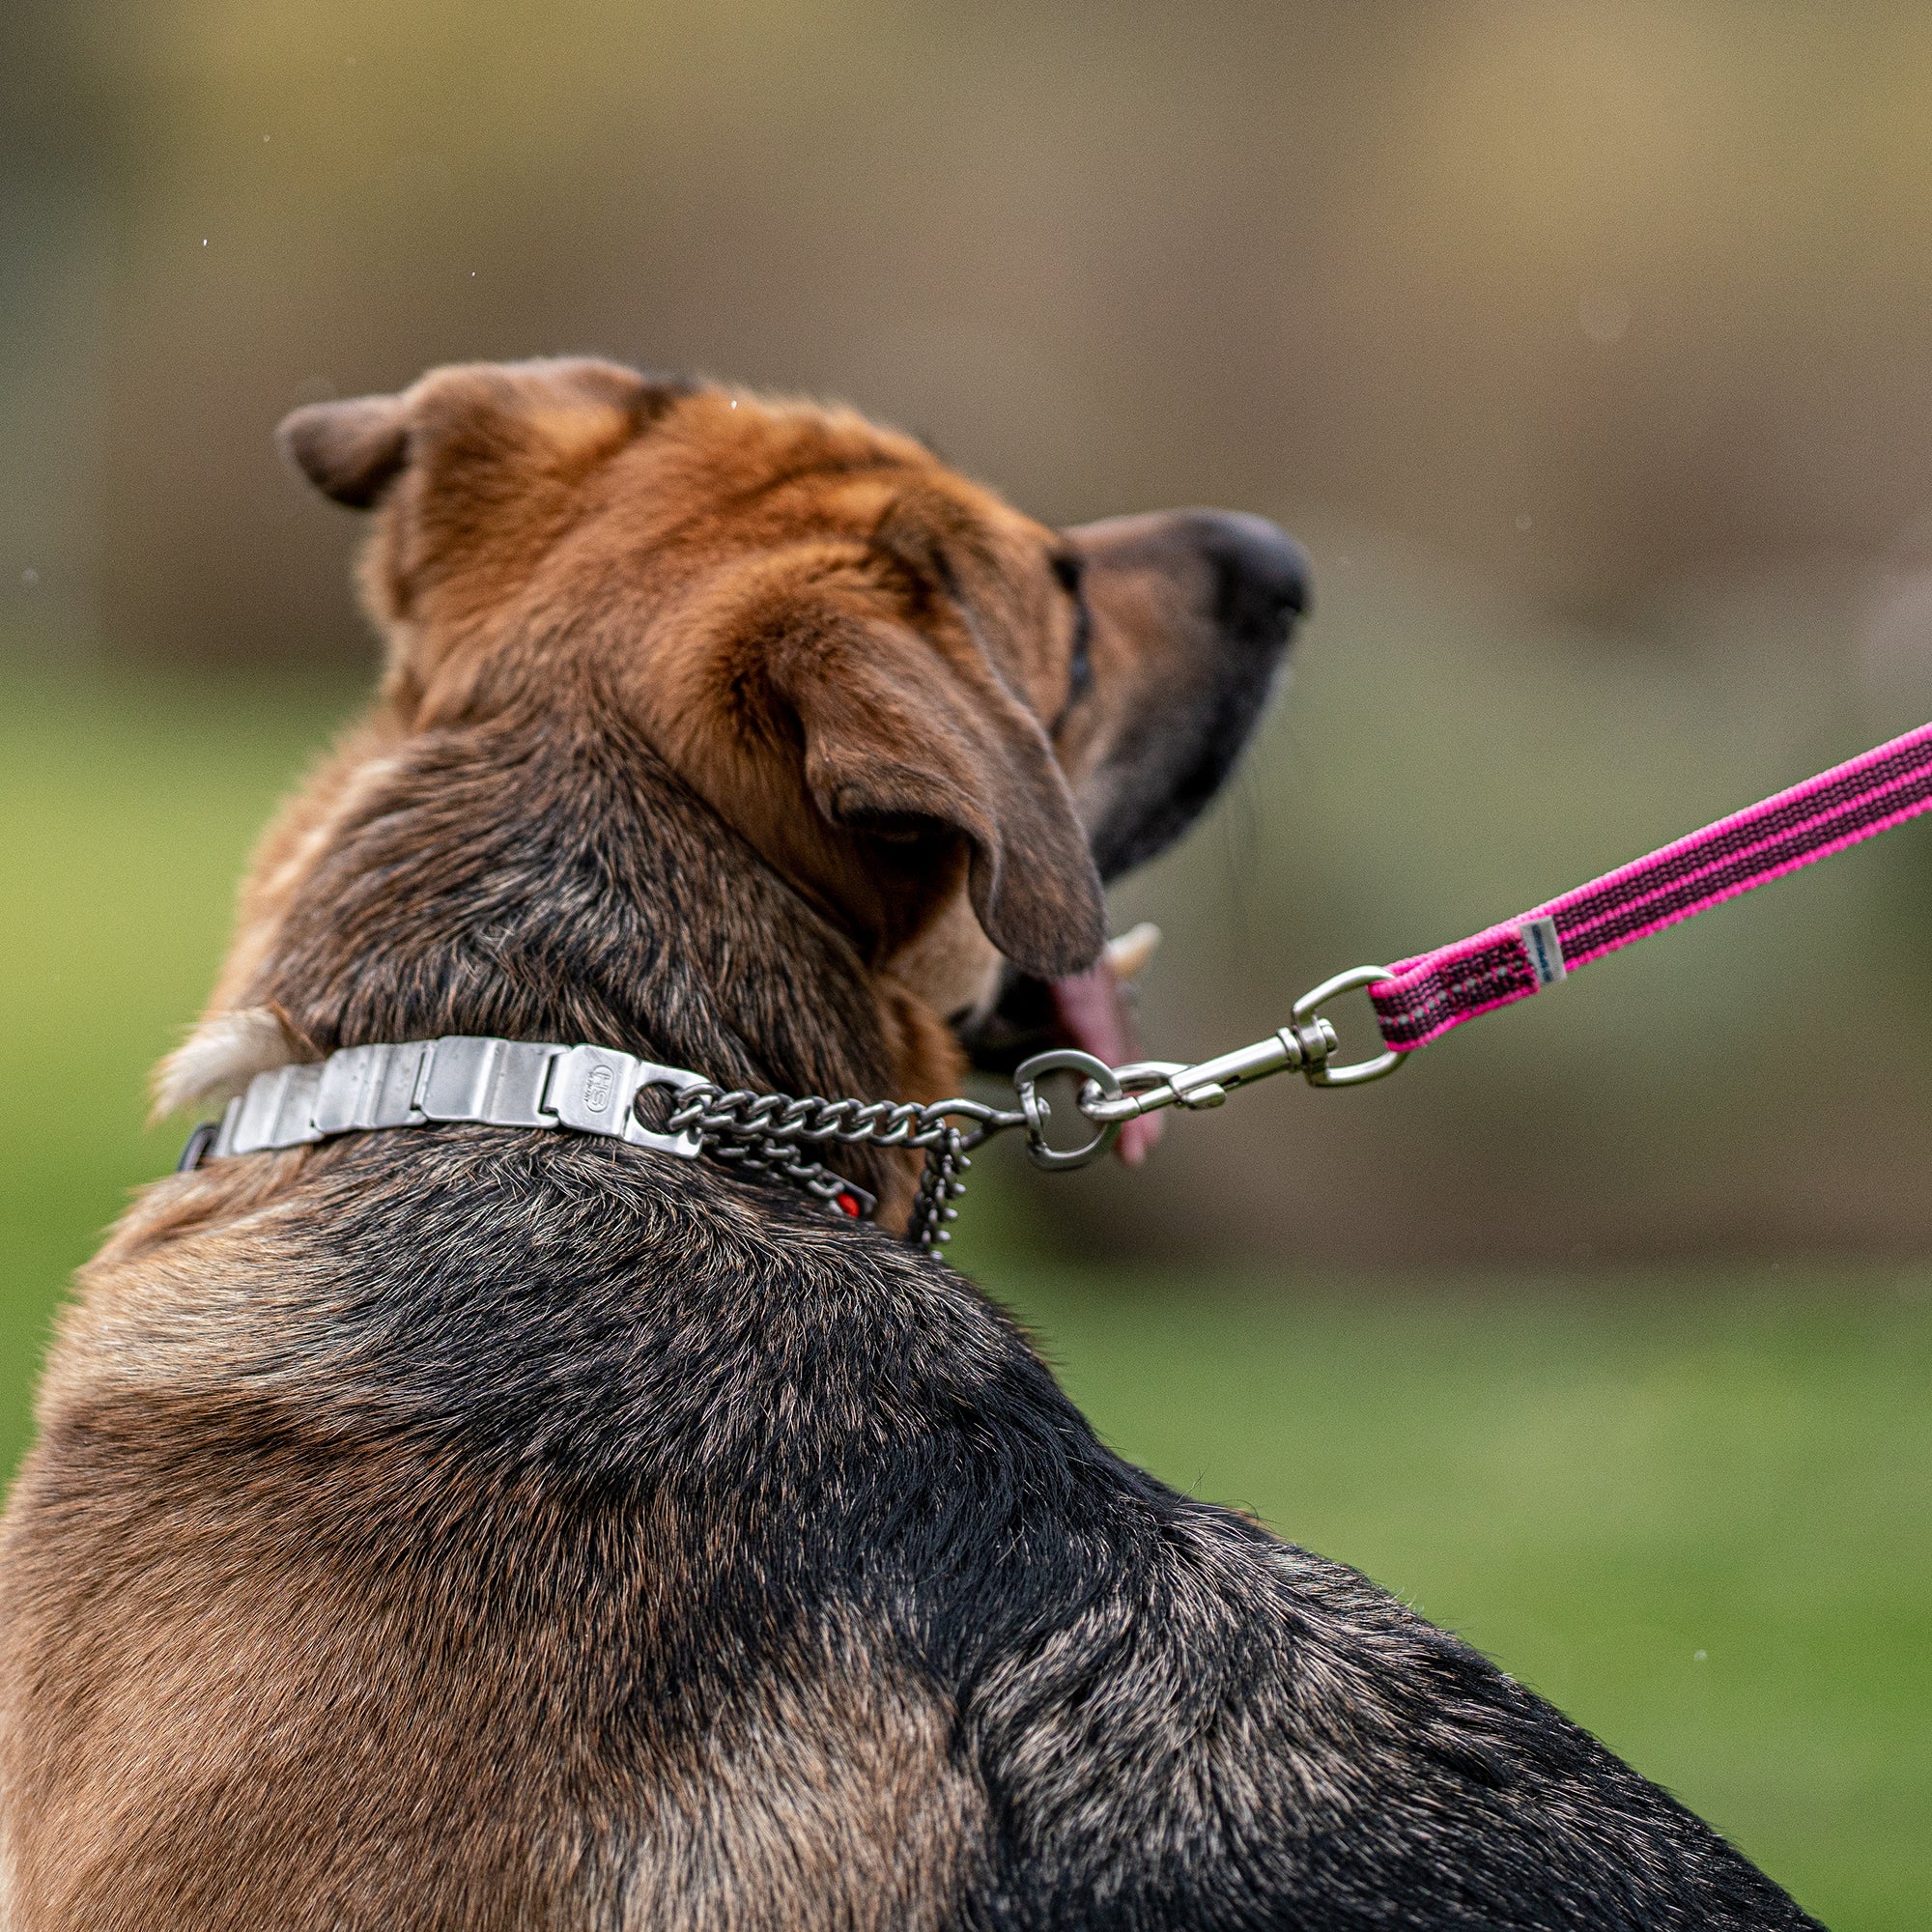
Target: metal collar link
(503,1083)
(596,1089)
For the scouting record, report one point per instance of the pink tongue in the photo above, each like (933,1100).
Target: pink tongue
(1091,1009)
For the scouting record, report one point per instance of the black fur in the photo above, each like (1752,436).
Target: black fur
(653,1370)
(1172,1719)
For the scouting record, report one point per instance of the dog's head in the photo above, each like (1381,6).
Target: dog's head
(944,724)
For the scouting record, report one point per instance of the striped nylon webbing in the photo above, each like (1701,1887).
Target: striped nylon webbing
(1427,996)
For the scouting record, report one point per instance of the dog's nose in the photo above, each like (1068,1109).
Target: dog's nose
(1261,573)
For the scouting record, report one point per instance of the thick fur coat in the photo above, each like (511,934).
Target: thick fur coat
(475,1528)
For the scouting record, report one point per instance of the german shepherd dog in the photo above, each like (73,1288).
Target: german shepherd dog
(487,1528)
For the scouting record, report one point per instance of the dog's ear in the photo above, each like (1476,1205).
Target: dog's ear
(350,451)
(470,415)
(900,742)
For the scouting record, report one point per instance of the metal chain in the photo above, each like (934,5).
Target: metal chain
(764,1133)
(940,1185)
(761,1133)
(739,1115)
(775,1157)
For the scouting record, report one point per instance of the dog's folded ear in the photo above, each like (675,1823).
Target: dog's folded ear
(900,742)
(478,412)
(350,451)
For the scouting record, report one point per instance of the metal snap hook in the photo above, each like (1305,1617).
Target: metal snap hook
(1090,1070)
(1319,1073)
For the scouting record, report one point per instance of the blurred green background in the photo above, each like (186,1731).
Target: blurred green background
(1588,346)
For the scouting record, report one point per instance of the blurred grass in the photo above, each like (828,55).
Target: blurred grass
(128,811)
(1692,1510)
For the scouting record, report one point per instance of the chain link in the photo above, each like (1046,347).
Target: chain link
(940,1185)
(762,1133)
(714,1113)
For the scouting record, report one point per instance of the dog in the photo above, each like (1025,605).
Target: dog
(492,1527)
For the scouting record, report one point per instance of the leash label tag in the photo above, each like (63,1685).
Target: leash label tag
(1544,949)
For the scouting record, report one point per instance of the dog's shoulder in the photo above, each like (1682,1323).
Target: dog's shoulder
(751,1482)
(752,1476)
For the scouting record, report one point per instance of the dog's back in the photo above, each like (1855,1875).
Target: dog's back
(533,1534)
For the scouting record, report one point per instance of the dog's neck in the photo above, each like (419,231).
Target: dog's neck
(541,879)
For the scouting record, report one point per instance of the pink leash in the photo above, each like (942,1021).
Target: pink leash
(1423,998)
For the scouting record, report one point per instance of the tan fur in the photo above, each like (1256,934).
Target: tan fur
(224,1053)
(250,1692)
(747,564)
(250,1689)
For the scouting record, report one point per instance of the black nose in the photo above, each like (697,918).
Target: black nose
(1260,574)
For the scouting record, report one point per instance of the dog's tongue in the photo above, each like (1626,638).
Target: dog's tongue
(1091,1009)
